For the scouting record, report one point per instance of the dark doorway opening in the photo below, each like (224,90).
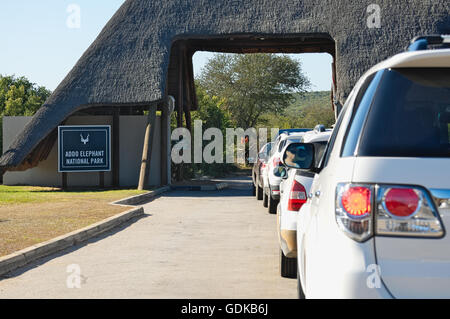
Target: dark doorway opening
(180,79)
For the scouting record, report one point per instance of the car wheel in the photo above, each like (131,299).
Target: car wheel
(272,205)
(259,193)
(265,199)
(301,294)
(288,266)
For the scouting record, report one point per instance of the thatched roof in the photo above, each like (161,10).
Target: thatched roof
(129,61)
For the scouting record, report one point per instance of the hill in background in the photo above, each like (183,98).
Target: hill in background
(307,110)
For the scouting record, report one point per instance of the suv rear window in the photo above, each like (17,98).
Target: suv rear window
(410,115)
(319,151)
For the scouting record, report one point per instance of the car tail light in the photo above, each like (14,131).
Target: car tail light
(297,196)
(398,211)
(406,211)
(356,201)
(401,202)
(354,210)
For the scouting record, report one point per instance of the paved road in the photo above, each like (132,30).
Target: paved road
(219,244)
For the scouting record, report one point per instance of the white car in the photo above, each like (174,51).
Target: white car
(271,176)
(258,166)
(374,225)
(294,187)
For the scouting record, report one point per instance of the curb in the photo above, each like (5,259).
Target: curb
(139,199)
(215,187)
(25,256)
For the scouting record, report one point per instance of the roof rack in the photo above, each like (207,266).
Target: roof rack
(293,131)
(423,42)
(319,128)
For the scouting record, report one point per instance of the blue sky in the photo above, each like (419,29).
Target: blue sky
(316,66)
(37,42)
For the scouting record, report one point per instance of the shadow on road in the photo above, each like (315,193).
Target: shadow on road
(219,193)
(43,260)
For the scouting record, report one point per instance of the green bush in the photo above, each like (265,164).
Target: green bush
(1,134)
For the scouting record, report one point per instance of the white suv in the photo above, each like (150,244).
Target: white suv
(374,223)
(271,174)
(294,187)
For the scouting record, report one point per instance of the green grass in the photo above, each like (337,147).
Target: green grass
(30,215)
(30,194)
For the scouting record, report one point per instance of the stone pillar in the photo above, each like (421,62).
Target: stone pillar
(166,161)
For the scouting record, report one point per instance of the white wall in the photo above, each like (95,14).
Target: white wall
(46,174)
(131,137)
(132,133)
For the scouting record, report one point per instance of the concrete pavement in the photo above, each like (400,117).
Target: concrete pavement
(218,244)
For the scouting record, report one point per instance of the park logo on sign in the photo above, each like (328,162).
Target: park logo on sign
(84,140)
(84,148)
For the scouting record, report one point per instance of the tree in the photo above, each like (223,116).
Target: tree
(253,84)
(211,110)
(18,96)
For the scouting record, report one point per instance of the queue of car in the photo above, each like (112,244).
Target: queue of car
(271,173)
(294,187)
(363,208)
(258,167)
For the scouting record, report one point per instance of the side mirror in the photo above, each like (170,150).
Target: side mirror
(298,156)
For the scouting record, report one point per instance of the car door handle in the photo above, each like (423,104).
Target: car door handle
(317,194)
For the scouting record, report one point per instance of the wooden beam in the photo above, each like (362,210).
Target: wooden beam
(101,179)
(187,114)
(187,94)
(180,101)
(147,149)
(165,144)
(180,87)
(191,83)
(116,147)
(64,180)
